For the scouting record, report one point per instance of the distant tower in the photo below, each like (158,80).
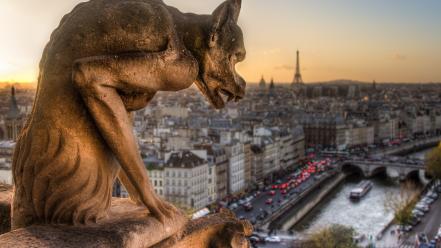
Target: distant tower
(374,85)
(298,77)
(271,86)
(14,119)
(262,83)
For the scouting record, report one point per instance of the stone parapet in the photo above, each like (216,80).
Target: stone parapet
(129,226)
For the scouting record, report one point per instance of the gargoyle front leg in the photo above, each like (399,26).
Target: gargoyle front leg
(99,79)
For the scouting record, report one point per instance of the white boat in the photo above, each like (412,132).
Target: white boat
(361,190)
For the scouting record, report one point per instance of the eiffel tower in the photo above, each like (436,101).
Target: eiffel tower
(297,77)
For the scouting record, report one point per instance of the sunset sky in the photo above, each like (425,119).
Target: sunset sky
(352,39)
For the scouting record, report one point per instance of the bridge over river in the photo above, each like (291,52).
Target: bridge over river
(395,169)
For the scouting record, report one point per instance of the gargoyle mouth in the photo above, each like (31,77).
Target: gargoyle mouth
(217,96)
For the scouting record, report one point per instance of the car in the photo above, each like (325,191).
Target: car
(273,239)
(283,192)
(269,201)
(256,239)
(422,208)
(417,213)
(422,238)
(405,228)
(271,192)
(233,206)
(427,200)
(414,221)
(433,195)
(248,206)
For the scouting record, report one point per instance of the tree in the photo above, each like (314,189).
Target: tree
(402,204)
(332,236)
(433,162)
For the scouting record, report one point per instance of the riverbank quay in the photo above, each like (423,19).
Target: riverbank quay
(288,204)
(294,211)
(406,148)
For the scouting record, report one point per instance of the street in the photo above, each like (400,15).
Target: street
(259,204)
(429,225)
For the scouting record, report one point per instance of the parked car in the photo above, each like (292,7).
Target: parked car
(422,207)
(432,195)
(269,201)
(427,200)
(417,213)
(273,239)
(414,221)
(405,228)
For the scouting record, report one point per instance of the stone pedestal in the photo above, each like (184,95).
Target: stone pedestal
(129,226)
(5,208)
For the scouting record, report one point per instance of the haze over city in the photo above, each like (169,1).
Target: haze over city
(393,41)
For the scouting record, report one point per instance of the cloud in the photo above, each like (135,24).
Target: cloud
(399,57)
(284,67)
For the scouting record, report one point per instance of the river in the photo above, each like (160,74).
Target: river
(368,216)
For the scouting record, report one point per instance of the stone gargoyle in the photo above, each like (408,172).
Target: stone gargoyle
(106,59)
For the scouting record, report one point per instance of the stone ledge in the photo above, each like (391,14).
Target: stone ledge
(5,208)
(129,226)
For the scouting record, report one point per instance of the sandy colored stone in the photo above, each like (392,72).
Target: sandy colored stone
(128,227)
(106,59)
(5,208)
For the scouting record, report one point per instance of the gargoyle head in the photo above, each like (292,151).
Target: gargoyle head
(218,79)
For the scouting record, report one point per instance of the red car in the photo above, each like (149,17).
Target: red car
(269,201)
(283,192)
(272,192)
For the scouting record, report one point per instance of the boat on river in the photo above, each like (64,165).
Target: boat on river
(361,190)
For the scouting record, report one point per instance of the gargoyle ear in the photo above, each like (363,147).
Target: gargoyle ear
(227,11)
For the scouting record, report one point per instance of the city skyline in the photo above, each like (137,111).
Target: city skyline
(366,41)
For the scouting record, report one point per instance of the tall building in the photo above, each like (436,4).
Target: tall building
(262,83)
(236,168)
(14,119)
(298,77)
(186,180)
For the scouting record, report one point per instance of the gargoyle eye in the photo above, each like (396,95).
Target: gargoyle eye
(240,56)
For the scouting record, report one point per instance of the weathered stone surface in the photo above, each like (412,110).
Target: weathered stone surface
(106,59)
(5,208)
(129,227)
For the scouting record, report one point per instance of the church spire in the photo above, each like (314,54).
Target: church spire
(14,112)
(262,83)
